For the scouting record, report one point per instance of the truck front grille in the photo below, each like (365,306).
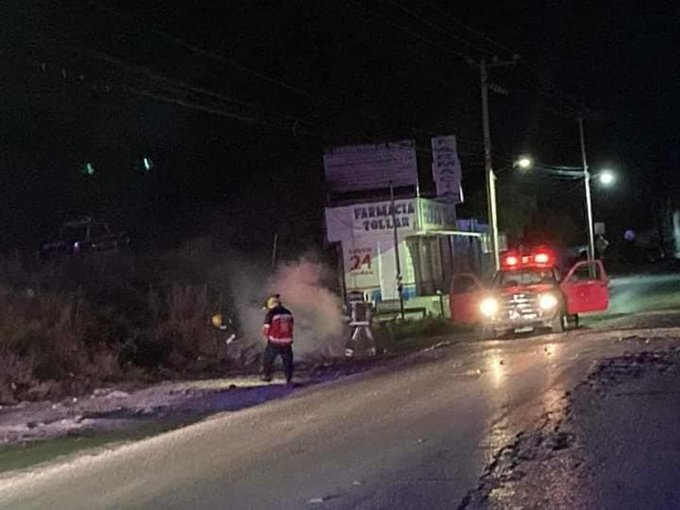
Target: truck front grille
(521,305)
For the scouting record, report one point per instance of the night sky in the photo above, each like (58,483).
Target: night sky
(235,101)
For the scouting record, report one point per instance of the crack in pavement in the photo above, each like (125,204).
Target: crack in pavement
(551,435)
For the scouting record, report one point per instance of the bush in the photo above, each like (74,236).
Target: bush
(41,337)
(69,324)
(101,317)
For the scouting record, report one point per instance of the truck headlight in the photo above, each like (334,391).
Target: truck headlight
(489,306)
(547,301)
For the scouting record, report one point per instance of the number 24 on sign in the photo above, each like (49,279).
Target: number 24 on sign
(358,261)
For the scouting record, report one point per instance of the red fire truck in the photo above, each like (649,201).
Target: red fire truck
(528,292)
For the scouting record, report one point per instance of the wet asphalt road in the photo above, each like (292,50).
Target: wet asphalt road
(581,420)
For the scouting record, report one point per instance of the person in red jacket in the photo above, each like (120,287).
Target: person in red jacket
(278,332)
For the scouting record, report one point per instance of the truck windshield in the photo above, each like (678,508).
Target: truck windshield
(525,277)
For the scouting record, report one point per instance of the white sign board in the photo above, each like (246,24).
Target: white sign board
(369,264)
(383,216)
(371,167)
(366,232)
(410,216)
(436,215)
(446,169)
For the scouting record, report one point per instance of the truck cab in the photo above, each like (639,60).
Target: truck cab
(528,292)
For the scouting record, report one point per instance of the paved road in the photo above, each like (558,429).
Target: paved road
(452,427)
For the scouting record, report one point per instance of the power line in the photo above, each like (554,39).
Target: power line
(408,31)
(574,107)
(176,40)
(548,93)
(569,105)
(439,28)
(171,87)
(166,92)
(469,28)
(432,133)
(176,83)
(504,47)
(188,104)
(165,95)
(203,52)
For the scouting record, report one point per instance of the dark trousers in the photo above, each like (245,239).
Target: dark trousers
(271,352)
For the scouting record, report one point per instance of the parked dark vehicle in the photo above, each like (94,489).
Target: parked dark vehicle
(84,235)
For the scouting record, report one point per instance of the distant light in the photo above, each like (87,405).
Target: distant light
(148,164)
(607,177)
(88,169)
(525,162)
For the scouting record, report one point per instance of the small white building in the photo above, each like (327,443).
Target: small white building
(430,246)
(363,225)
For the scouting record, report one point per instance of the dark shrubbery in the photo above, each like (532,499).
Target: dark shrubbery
(79,322)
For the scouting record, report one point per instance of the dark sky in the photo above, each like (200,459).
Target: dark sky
(283,80)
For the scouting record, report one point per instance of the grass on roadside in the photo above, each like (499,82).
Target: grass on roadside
(409,335)
(25,455)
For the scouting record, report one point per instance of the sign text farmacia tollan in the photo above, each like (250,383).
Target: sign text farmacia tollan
(379,217)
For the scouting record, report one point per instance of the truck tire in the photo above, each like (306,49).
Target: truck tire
(557,324)
(574,320)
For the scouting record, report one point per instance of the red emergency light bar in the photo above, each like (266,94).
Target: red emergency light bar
(542,258)
(511,260)
(539,258)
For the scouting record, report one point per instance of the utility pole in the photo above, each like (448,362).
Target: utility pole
(488,167)
(488,161)
(400,287)
(589,202)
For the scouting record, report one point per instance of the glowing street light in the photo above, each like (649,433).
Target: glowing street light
(607,177)
(524,162)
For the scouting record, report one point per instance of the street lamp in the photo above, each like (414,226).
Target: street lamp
(524,162)
(606,177)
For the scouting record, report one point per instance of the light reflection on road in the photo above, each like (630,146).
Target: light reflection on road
(507,373)
(552,349)
(502,365)
(496,367)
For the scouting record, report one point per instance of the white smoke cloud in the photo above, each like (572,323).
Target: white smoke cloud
(319,324)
